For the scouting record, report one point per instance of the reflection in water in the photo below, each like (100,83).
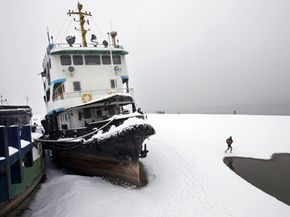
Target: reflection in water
(271,176)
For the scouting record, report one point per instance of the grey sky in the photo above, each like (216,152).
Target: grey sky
(182,54)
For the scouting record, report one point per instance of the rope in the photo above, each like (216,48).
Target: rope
(77,138)
(97,28)
(61,147)
(60,31)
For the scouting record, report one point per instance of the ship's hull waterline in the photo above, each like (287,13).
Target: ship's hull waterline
(116,156)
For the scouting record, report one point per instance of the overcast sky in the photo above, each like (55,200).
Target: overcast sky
(183,54)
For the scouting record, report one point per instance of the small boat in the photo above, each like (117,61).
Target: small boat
(21,159)
(92,125)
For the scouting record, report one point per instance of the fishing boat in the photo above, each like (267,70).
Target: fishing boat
(92,125)
(21,159)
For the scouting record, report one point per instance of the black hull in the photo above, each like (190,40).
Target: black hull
(114,156)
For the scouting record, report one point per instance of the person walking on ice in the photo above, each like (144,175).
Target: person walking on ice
(229,141)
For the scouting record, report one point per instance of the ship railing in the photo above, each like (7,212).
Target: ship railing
(91,45)
(12,165)
(100,93)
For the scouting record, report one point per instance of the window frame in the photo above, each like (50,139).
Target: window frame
(113,83)
(74,86)
(104,62)
(76,60)
(62,61)
(89,60)
(117,61)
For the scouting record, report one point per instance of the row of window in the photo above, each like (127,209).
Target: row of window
(77,85)
(58,92)
(67,60)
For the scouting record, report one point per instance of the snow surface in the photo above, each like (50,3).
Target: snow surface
(36,153)
(36,135)
(187,176)
(24,143)
(12,150)
(127,124)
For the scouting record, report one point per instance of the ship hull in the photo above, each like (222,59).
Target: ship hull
(20,191)
(114,156)
(94,166)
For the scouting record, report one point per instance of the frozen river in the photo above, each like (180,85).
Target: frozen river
(187,176)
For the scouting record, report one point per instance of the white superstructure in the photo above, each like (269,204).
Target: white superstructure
(77,74)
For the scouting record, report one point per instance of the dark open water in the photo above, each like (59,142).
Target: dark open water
(271,176)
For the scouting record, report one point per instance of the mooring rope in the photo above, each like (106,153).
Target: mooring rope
(74,140)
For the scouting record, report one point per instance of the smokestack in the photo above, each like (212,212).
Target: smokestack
(113,35)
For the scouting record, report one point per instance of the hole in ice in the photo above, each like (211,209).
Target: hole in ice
(271,176)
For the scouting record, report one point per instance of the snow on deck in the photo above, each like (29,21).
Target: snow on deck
(187,176)
(24,143)
(12,150)
(36,135)
(127,125)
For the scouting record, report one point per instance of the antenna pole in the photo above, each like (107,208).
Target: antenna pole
(48,37)
(111,58)
(82,21)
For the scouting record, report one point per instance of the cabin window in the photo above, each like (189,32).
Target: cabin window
(65,60)
(92,60)
(80,115)
(87,113)
(106,60)
(78,59)
(99,113)
(58,92)
(113,83)
(117,60)
(48,68)
(64,126)
(77,85)
(111,111)
(47,76)
(48,95)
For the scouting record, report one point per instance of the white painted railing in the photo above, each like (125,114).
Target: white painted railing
(103,92)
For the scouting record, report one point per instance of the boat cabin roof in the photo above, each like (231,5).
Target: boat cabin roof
(121,98)
(11,115)
(87,50)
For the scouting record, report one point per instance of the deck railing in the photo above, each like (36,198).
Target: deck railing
(77,45)
(11,164)
(100,93)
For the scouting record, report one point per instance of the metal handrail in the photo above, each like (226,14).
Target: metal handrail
(77,45)
(101,92)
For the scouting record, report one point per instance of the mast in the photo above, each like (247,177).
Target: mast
(82,21)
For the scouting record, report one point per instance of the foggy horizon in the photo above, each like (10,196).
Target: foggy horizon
(184,56)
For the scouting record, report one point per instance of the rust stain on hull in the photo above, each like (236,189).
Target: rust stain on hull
(90,165)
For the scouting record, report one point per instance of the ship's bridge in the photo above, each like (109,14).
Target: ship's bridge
(75,74)
(78,73)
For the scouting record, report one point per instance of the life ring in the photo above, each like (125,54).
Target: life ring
(86,97)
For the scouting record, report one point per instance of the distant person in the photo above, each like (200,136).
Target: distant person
(229,141)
